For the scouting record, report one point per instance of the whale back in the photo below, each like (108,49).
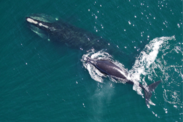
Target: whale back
(108,68)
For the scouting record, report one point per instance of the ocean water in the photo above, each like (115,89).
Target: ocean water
(44,82)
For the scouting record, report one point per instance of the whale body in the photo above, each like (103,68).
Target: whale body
(108,68)
(60,31)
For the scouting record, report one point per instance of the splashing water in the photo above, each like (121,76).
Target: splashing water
(146,59)
(144,65)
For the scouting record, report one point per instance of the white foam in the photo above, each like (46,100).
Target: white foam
(145,60)
(141,67)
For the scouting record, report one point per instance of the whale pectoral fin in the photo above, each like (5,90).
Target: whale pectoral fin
(39,32)
(113,77)
(103,73)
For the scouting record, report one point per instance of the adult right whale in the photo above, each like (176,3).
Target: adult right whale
(60,31)
(108,68)
(57,30)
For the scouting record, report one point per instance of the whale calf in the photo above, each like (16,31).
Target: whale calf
(108,68)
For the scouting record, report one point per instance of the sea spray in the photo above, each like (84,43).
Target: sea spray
(141,67)
(145,59)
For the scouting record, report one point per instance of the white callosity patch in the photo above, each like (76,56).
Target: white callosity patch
(31,21)
(40,24)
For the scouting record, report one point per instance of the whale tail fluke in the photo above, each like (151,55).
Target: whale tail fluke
(149,90)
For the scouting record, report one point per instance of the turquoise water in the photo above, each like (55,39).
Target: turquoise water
(41,81)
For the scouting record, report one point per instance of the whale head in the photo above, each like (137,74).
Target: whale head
(90,60)
(42,25)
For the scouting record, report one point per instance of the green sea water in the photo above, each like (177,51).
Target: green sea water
(44,82)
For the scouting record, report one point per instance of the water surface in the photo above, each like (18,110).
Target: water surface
(41,81)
